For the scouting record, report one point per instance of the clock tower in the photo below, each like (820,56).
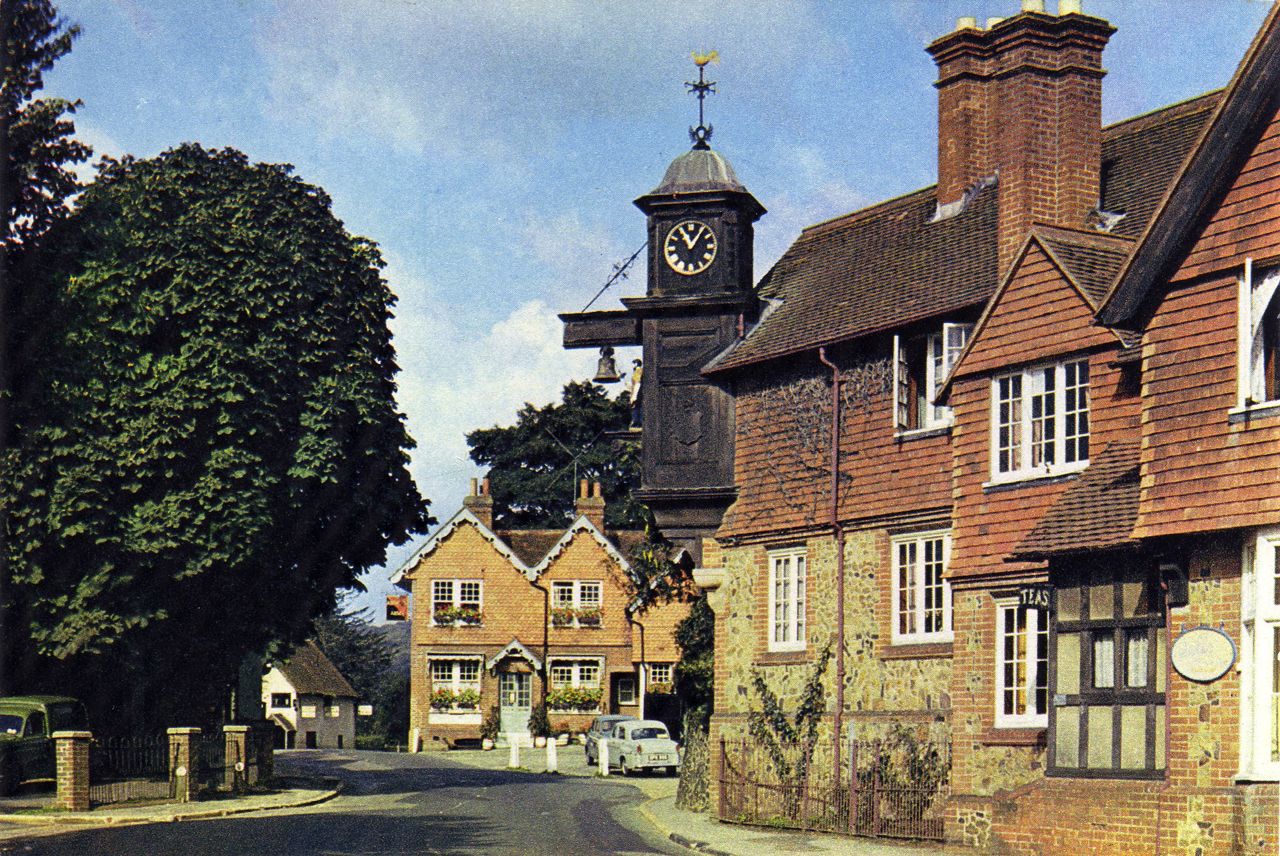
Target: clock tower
(699,301)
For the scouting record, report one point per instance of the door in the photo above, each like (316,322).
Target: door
(515,702)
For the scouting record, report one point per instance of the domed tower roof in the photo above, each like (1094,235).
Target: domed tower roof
(699,170)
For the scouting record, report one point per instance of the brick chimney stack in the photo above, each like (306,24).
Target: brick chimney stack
(590,503)
(480,503)
(1023,98)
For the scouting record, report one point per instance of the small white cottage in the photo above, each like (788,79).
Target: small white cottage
(309,702)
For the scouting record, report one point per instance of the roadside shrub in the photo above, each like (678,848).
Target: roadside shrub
(539,724)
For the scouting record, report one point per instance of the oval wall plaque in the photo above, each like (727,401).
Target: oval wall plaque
(1203,654)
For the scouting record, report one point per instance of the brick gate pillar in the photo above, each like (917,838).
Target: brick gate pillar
(240,764)
(72,754)
(184,778)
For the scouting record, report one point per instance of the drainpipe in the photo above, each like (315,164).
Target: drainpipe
(1168,699)
(546,623)
(838,532)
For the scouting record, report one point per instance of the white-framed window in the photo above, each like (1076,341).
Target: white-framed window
(307,711)
(449,597)
(626,685)
(1260,657)
(455,674)
(282,700)
(1258,336)
(1040,421)
(921,597)
(576,603)
(334,710)
(920,366)
(659,673)
(787,581)
(575,673)
(1022,666)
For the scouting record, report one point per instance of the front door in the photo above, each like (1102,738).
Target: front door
(515,703)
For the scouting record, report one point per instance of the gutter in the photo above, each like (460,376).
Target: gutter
(834,520)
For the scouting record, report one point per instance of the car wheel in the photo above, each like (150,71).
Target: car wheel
(622,763)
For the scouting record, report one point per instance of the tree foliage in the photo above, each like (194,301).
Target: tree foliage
(35,178)
(368,659)
(789,741)
(212,443)
(532,463)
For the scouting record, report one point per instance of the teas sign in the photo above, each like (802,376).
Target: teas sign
(1035,597)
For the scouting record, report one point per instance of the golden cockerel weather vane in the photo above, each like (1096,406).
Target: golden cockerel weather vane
(702,133)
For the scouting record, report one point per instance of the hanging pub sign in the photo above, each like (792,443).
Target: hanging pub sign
(1203,653)
(1035,596)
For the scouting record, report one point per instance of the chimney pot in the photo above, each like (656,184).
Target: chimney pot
(484,486)
(474,482)
(968,22)
(991,22)
(1033,5)
(1069,7)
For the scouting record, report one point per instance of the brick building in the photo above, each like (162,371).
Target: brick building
(510,617)
(1007,446)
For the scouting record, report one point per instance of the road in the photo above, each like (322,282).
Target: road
(400,804)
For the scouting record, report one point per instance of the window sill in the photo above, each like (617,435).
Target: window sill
(916,650)
(922,433)
(1034,479)
(782,658)
(1016,736)
(1249,412)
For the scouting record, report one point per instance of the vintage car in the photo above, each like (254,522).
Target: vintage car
(27,724)
(601,726)
(643,744)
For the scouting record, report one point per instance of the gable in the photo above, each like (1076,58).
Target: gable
(1038,314)
(462,532)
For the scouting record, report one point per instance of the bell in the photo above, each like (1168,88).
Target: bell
(606,369)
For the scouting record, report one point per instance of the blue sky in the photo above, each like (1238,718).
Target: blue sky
(493,149)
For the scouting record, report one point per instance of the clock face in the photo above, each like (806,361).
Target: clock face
(690,247)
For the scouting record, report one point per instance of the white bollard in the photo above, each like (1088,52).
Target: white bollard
(417,740)
(514,760)
(604,756)
(552,759)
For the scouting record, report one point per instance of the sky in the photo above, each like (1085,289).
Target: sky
(492,149)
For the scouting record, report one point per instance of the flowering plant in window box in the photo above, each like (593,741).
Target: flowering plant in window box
(442,699)
(451,615)
(574,698)
(468,699)
(659,688)
(562,616)
(589,617)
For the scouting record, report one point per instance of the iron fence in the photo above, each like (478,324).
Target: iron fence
(211,760)
(129,768)
(880,795)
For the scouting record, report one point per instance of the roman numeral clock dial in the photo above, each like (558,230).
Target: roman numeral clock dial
(690,247)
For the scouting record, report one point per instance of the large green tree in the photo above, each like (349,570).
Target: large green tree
(212,443)
(533,463)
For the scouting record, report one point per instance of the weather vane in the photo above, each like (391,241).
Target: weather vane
(702,133)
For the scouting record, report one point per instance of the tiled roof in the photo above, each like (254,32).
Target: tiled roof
(532,545)
(312,673)
(1091,261)
(888,265)
(1096,512)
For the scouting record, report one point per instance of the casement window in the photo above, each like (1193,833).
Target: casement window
(920,366)
(659,673)
(787,582)
(921,597)
(1022,666)
(575,594)
(334,710)
(1108,649)
(1260,657)
(279,700)
(307,711)
(1258,337)
(575,673)
(459,674)
(450,597)
(1040,421)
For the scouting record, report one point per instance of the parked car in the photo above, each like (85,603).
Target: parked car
(27,724)
(643,744)
(601,726)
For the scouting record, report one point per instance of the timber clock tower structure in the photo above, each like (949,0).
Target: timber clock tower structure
(700,300)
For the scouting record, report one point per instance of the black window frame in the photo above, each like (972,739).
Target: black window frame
(1079,574)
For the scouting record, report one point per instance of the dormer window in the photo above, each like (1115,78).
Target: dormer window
(1259,338)
(921,365)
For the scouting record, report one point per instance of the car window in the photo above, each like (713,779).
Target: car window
(35,724)
(620,732)
(648,733)
(10,723)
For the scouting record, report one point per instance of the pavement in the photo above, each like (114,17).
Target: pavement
(698,832)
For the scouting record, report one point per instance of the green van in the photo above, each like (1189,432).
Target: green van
(27,724)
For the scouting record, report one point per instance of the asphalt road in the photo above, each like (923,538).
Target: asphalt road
(401,804)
